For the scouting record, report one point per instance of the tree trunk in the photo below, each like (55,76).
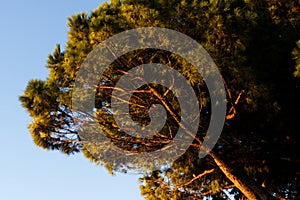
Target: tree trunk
(247,186)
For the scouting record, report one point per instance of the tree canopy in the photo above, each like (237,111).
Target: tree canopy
(256,46)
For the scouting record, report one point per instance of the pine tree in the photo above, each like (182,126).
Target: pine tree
(254,44)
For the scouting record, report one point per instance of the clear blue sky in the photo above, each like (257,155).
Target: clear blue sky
(29,31)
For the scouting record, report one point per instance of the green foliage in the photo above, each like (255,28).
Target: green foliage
(253,44)
(296,54)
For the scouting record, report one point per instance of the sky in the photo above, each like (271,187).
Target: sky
(29,31)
